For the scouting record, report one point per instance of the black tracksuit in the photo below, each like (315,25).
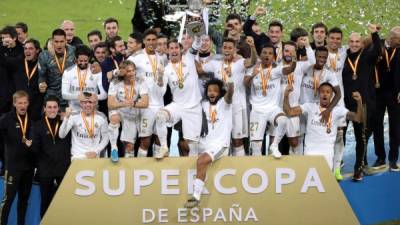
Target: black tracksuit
(53,159)
(364,84)
(389,80)
(259,39)
(21,82)
(18,165)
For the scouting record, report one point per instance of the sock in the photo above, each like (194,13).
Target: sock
(256,147)
(280,129)
(238,151)
(338,150)
(156,148)
(198,188)
(161,127)
(296,150)
(141,153)
(113,132)
(193,148)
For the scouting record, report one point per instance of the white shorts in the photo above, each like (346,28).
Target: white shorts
(148,122)
(191,120)
(214,150)
(240,124)
(328,155)
(292,127)
(259,120)
(129,125)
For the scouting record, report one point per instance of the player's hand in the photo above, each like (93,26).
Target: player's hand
(289,88)
(373,28)
(128,103)
(95,68)
(91,155)
(303,42)
(325,115)
(68,112)
(42,87)
(260,11)
(250,41)
(356,96)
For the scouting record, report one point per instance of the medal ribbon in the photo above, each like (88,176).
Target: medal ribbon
(61,66)
(213,114)
(30,75)
(329,123)
(23,125)
(354,66)
(316,81)
(53,134)
(389,60)
(224,74)
(90,129)
(153,63)
(179,71)
(81,78)
(264,80)
(130,93)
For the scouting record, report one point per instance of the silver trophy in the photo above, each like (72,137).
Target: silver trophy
(194,20)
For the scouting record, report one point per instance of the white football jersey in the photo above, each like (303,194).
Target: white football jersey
(74,83)
(119,90)
(185,93)
(144,71)
(335,63)
(219,122)
(89,134)
(317,136)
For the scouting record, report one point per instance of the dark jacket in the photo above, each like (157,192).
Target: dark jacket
(259,39)
(53,158)
(389,78)
(18,157)
(365,74)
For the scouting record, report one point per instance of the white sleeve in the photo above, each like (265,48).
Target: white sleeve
(332,79)
(112,90)
(103,137)
(143,90)
(340,112)
(306,108)
(65,127)
(65,87)
(209,67)
(102,93)
(277,72)
(249,71)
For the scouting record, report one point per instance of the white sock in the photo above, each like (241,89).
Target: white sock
(198,188)
(238,151)
(113,132)
(256,147)
(161,127)
(280,129)
(193,148)
(301,145)
(141,153)
(339,150)
(156,148)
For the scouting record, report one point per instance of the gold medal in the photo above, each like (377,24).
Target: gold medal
(264,93)
(377,84)
(328,130)
(180,85)
(23,126)
(354,66)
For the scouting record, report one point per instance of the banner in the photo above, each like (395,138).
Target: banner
(247,190)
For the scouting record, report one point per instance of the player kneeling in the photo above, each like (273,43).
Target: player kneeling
(320,136)
(218,110)
(125,96)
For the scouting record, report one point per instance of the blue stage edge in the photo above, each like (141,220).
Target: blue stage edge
(373,200)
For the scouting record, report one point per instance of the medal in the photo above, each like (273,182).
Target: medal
(223,72)
(354,66)
(153,63)
(129,93)
(213,114)
(389,60)
(179,72)
(30,75)
(264,80)
(53,134)
(81,78)
(90,130)
(23,126)
(61,67)
(377,85)
(328,130)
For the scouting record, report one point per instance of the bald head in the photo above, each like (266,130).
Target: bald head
(69,27)
(355,43)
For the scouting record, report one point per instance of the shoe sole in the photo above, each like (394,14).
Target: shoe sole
(378,167)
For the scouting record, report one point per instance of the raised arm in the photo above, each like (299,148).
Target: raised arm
(290,111)
(66,125)
(253,57)
(356,116)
